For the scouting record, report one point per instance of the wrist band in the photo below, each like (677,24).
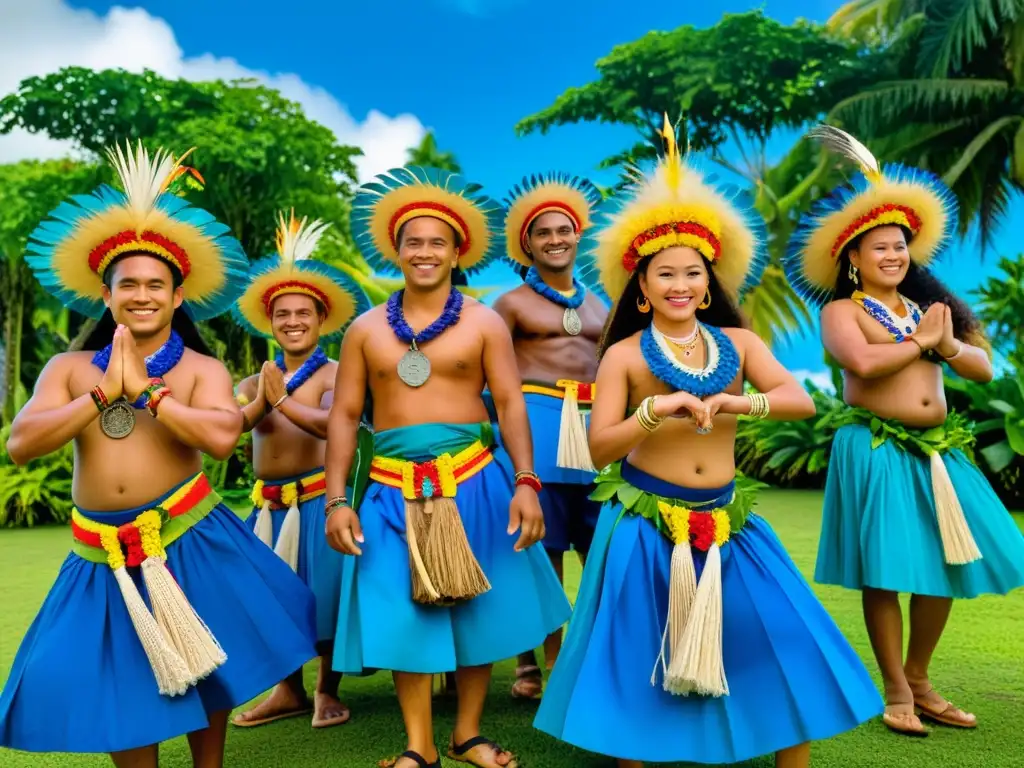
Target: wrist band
(645,414)
(528,478)
(281,400)
(334,504)
(99,398)
(955,355)
(156,398)
(759,406)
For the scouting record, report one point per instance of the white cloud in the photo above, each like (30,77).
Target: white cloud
(820,379)
(41,36)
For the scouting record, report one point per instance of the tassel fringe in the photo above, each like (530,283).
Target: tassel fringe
(181,625)
(444,569)
(573,443)
(288,540)
(172,674)
(957,541)
(264,527)
(682,589)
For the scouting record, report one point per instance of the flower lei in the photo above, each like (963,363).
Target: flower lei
(575,301)
(703,527)
(449,317)
(887,318)
(312,364)
(719,371)
(157,365)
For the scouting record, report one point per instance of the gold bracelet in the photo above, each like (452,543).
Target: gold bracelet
(759,405)
(646,416)
(281,400)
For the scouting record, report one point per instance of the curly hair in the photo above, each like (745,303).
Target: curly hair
(625,319)
(922,287)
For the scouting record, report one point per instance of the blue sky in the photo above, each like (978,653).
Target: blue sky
(469,70)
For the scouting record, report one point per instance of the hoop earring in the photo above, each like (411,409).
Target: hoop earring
(643,305)
(707,301)
(854,274)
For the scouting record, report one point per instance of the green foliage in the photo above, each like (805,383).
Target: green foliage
(37,493)
(427,155)
(233,477)
(1000,306)
(792,454)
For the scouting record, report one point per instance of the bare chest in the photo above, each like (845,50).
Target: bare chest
(455,355)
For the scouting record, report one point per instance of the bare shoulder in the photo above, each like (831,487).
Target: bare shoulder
(328,373)
(593,302)
(839,309)
(743,338)
(486,318)
(366,322)
(510,300)
(204,365)
(249,385)
(61,366)
(624,353)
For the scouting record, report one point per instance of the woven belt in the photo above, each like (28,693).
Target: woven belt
(283,495)
(438,477)
(583,392)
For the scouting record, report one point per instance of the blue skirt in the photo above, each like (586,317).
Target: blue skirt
(381,627)
(879,527)
(81,681)
(792,676)
(319,565)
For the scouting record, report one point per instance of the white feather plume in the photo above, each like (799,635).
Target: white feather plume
(296,240)
(841,142)
(143,177)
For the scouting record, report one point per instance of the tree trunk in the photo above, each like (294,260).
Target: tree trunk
(12,356)
(83,333)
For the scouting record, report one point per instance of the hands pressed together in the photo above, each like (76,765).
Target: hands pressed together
(935,331)
(126,373)
(684,405)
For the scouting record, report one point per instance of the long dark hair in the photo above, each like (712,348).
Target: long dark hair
(625,319)
(180,322)
(921,287)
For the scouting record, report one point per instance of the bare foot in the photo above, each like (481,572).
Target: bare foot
(328,710)
(407,762)
(529,682)
(939,710)
(483,753)
(282,702)
(900,717)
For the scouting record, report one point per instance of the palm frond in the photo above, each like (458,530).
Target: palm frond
(774,309)
(957,28)
(979,142)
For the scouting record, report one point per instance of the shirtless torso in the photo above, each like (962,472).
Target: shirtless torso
(544,352)
(118,474)
(281,448)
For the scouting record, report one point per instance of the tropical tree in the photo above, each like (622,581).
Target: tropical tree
(955,103)
(427,155)
(28,191)
(735,84)
(258,151)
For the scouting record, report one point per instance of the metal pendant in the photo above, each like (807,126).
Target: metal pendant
(571,322)
(118,420)
(414,368)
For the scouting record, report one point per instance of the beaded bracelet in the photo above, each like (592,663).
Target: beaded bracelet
(528,478)
(335,503)
(759,406)
(156,398)
(99,397)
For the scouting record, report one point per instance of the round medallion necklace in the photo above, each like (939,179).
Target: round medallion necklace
(571,301)
(414,367)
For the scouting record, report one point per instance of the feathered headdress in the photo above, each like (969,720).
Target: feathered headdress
(390,200)
(911,198)
(73,247)
(292,270)
(677,205)
(536,195)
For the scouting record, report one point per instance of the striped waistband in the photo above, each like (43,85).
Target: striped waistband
(149,533)
(438,477)
(281,494)
(583,392)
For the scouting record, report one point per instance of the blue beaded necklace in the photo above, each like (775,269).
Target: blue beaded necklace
(720,368)
(570,317)
(414,367)
(899,328)
(312,364)
(157,365)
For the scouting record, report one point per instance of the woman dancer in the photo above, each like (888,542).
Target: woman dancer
(906,509)
(694,637)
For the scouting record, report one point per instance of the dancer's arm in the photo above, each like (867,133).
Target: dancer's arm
(844,339)
(307,418)
(212,421)
(967,360)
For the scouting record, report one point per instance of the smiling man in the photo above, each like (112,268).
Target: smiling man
(447,579)
(297,302)
(168,612)
(555,324)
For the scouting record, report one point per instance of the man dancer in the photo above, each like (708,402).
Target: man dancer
(225,618)
(906,509)
(556,324)
(297,302)
(446,577)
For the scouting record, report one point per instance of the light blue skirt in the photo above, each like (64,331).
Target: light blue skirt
(381,627)
(879,527)
(81,681)
(319,566)
(792,676)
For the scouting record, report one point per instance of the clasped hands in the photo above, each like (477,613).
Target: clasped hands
(684,405)
(271,389)
(126,372)
(935,331)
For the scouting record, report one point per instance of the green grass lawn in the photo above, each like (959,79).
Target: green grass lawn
(979,666)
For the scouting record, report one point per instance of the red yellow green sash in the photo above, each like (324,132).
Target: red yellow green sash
(439,477)
(180,648)
(268,495)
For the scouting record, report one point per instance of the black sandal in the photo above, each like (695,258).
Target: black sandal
(455,752)
(415,757)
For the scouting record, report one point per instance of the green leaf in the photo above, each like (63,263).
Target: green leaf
(1002,407)
(628,495)
(1015,434)
(877,440)
(999,455)
(604,491)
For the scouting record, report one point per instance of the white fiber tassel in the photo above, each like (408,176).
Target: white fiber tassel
(264,527)
(957,541)
(288,540)
(697,664)
(573,443)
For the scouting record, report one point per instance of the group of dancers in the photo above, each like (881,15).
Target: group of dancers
(404,489)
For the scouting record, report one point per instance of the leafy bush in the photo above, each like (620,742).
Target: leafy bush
(233,478)
(37,493)
(791,454)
